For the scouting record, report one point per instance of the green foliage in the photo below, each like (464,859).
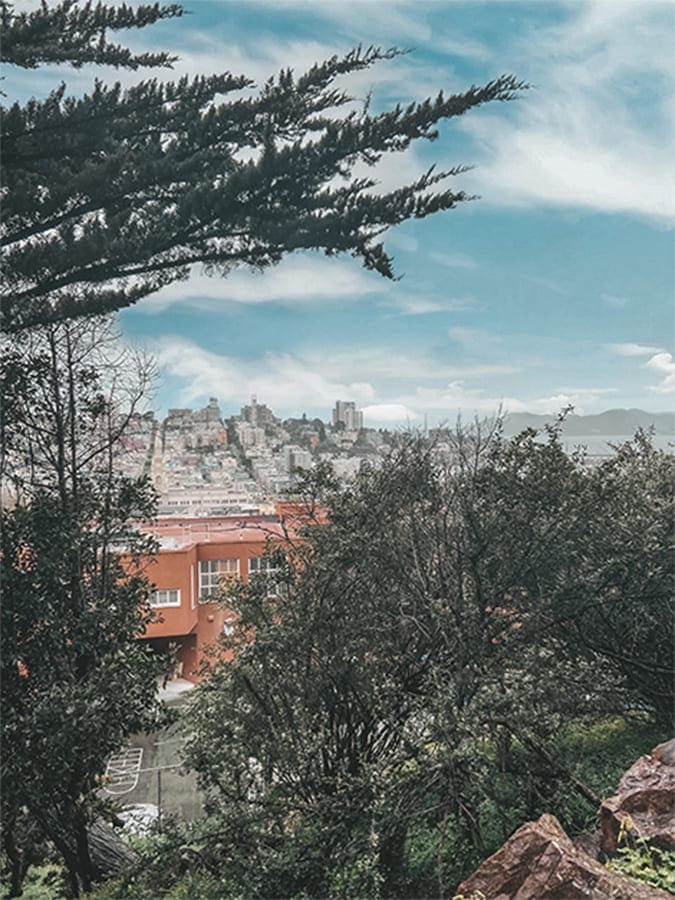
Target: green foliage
(599,752)
(213,859)
(43,882)
(416,688)
(421,666)
(75,680)
(108,197)
(77,33)
(646,863)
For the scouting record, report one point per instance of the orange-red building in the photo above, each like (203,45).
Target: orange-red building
(195,554)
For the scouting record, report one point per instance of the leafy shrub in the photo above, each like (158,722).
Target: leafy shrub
(643,862)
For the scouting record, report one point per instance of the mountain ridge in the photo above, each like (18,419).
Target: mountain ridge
(620,422)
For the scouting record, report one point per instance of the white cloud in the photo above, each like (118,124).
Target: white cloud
(388,414)
(281,380)
(613,301)
(394,170)
(664,364)
(456,396)
(464,46)
(546,283)
(580,398)
(399,240)
(293,383)
(385,364)
(660,361)
(297,280)
(454,260)
(420,306)
(474,340)
(597,132)
(628,349)
(382,21)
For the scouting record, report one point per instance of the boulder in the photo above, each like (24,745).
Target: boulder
(540,861)
(645,800)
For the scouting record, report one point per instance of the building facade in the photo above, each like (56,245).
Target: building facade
(346,413)
(195,556)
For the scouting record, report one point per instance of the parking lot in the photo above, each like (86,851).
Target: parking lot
(148,771)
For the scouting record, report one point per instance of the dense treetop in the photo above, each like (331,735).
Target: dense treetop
(73,33)
(109,196)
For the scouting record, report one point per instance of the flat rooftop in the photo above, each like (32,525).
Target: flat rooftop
(180,533)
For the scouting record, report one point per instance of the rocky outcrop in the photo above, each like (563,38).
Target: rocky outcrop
(644,801)
(540,861)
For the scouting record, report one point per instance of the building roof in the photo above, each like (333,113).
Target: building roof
(180,533)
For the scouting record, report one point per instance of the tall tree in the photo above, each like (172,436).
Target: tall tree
(75,681)
(428,646)
(110,196)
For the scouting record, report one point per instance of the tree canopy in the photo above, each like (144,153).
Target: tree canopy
(77,33)
(75,679)
(110,196)
(424,654)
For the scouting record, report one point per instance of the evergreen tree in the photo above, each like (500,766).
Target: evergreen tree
(110,196)
(76,33)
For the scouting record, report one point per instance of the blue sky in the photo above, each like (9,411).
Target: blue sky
(556,287)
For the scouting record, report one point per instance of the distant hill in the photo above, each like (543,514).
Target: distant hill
(621,422)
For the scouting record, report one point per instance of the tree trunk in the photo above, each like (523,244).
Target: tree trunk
(17,861)
(110,854)
(392,857)
(70,860)
(83,857)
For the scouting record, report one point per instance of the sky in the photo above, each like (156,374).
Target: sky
(556,287)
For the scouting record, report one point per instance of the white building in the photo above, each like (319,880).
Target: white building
(345,411)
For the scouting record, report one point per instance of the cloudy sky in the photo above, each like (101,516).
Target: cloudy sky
(555,287)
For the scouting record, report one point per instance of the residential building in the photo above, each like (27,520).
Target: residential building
(296,458)
(258,413)
(346,413)
(196,556)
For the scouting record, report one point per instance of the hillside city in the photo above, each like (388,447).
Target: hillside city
(203,463)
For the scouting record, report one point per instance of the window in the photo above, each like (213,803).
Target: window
(211,571)
(164,597)
(261,565)
(264,565)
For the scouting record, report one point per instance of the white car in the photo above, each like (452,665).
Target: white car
(140,818)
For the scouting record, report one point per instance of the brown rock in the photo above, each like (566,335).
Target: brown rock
(539,861)
(646,797)
(589,844)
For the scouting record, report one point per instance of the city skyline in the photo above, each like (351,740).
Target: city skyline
(205,462)
(554,288)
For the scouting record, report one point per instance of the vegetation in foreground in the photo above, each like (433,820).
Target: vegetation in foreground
(186,862)
(463,647)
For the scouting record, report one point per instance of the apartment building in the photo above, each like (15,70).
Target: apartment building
(195,555)
(346,413)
